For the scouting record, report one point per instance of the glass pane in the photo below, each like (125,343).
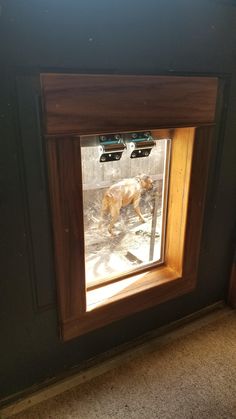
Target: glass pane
(125,183)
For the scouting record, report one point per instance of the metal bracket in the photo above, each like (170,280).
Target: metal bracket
(141,144)
(111,147)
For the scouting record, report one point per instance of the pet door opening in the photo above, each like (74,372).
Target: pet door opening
(125,187)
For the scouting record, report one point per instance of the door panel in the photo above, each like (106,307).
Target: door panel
(70,37)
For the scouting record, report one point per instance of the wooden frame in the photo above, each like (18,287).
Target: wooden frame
(188,179)
(91,103)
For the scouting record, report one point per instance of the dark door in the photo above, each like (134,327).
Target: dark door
(50,36)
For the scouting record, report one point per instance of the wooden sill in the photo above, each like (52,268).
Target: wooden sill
(135,273)
(108,294)
(133,302)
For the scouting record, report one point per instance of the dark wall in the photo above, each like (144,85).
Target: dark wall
(125,36)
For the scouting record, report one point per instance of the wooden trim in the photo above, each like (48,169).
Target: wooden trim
(172,287)
(181,162)
(139,283)
(88,104)
(188,179)
(65,181)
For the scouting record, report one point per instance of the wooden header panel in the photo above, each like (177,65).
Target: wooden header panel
(89,104)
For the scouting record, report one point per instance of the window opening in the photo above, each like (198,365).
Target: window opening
(125,188)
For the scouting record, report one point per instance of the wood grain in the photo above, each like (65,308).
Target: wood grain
(127,305)
(67,217)
(188,180)
(83,104)
(88,104)
(180,171)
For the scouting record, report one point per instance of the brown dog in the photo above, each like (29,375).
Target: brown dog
(123,193)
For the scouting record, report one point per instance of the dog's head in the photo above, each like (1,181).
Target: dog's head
(146,181)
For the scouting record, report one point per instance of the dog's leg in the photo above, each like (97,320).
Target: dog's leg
(104,209)
(114,216)
(137,209)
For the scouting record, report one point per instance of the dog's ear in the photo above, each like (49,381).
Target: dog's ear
(143,177)
(146,181)
(142,180)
